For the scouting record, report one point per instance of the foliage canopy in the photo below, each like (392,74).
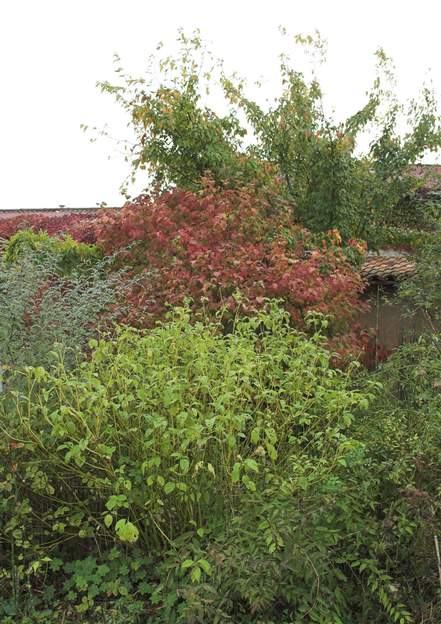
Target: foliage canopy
(291,144)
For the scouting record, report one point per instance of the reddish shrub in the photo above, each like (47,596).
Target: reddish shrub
(210,244)
(80,225)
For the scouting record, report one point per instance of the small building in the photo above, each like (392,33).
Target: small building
(389,317)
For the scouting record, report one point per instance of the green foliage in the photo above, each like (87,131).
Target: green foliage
(331,183)
(403,431)
(69,254)
(422,291)
(290,143)
(180,139)
(225,471)
(110,589)
(228,459)
(41,311)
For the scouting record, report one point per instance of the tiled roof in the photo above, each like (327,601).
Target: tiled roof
(430,175)
(387,268)
(7,214)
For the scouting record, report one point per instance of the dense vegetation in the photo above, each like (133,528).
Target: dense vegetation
(188,430)
(290,144)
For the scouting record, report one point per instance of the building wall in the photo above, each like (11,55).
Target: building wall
(391,320)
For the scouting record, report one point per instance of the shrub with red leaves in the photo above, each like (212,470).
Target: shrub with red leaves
(80,225)
(211,244)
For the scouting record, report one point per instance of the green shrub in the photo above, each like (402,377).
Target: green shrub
(403,434)
(70,255)
(227,460)
(423,290)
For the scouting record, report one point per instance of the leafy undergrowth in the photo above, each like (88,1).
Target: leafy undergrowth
(185,475)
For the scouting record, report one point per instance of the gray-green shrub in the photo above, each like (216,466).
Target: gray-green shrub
(39,309)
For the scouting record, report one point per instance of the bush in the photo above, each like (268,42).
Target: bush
(40,309)
(209,245)
(80,225)
(403,432)
(68,254)
(224,467)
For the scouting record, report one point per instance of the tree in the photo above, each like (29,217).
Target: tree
(291,145)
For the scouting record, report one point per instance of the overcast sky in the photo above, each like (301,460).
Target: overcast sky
(54,51)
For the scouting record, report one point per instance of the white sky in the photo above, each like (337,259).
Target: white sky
(53,52)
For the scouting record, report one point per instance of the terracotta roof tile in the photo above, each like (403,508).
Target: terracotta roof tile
(9,213)
(387,268)
(430,176)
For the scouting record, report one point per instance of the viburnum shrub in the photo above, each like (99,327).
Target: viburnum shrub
(210,244)
(80,225)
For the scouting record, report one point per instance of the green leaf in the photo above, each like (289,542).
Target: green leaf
(255,435)
(231,441)
(108,519)
(205,566)
(169,487)
(251,464)
(235,473)
(187,564)
(271,451)
(196,574)
(126,531)
(184,465)
(116,501)
(248,483)
(303,482)
(144,588)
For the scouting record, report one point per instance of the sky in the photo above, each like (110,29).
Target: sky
(54,51)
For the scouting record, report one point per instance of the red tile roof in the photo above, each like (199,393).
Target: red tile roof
(430,175)
(7,214)
(387,268)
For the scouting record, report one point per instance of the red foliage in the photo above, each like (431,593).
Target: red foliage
(80,225)
(210,244)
